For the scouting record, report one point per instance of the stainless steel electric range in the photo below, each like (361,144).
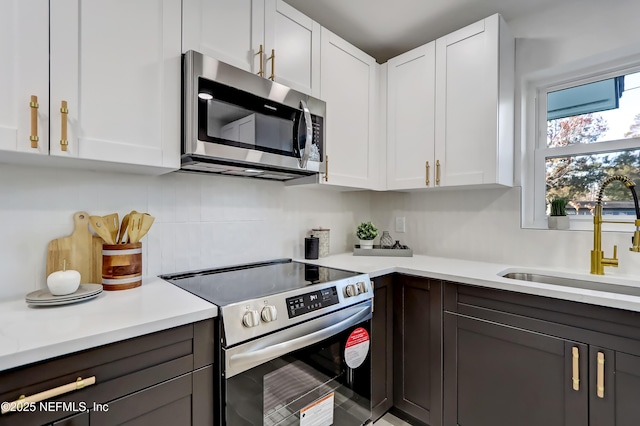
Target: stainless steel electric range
(294,342)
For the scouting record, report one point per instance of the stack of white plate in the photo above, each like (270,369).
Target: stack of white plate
(45,298)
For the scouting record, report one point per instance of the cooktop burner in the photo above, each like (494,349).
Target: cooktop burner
(224,286)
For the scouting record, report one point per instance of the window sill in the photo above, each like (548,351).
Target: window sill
(586,224)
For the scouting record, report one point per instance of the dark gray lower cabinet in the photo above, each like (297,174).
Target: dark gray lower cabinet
(382,347)
(500,375)
(619,401)
(80,419)
(516,359)
(417,343)
(168,403)
(163,378)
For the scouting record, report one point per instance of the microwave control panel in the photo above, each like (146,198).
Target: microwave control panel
(309,302)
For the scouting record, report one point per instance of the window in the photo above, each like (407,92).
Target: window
(587,130)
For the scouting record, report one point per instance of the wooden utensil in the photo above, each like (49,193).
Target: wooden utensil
(135,220)
(81,250)
(145,225)
(113,222)
(123,228)
(102,229)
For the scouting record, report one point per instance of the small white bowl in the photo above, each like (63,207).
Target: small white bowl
(61,283)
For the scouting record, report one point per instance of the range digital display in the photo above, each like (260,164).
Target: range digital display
(309,302)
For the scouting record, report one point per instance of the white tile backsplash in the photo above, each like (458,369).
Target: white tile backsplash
(201,220)
(207,221)
(484,225)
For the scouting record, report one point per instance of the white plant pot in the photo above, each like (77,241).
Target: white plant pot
(366,244)
(558,222)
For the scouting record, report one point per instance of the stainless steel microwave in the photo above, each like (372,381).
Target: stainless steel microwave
(237,123)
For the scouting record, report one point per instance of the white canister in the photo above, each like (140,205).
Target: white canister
(323,236)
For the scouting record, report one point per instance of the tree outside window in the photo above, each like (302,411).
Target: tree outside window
(592,141)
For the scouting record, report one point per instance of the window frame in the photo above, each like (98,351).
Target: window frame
(534,134)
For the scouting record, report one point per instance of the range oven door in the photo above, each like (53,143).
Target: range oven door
(317,373)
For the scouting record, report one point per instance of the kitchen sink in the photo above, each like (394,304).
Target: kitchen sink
(573,282)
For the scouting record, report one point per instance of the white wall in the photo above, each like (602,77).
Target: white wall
(201,221)
(485,224)
(209,221)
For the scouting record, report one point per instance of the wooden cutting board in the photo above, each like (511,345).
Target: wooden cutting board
(81,249)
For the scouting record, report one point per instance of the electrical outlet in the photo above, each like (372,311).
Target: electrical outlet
(400,225)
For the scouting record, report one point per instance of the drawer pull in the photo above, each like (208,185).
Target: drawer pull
(600,376)
(576,368)
(60,390)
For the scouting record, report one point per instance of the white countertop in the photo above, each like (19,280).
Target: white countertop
(488,275)
(31,334)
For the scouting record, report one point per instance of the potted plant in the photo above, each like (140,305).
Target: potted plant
(558,218)
(366,233)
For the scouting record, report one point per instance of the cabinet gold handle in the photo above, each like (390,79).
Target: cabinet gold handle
(272,58)
(261,53)
(426,181)
(64,111)
(438,172)
(576,368)
(60,390)
(326,170)
(34,121)
(600,376)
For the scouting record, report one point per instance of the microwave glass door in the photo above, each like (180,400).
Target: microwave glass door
(314,385)
(233,117)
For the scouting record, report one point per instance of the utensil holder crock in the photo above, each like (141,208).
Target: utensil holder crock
(121,266)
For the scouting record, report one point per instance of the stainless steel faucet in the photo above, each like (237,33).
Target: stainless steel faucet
(598,261)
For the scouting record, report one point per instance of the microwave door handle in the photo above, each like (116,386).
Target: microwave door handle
(244,361)
(308,127)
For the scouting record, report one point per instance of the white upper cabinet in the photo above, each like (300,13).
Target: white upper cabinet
(294,41)
(104,77)
(348,86)
(475,105)
(116,65)
(234,31)
(24,72)
(410,119)
(229,30)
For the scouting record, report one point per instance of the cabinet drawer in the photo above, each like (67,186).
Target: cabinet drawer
(166,403)
(608,327)
(119,369)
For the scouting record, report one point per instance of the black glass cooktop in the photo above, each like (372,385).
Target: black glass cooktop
(224,286)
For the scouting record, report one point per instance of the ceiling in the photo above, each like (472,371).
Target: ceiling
(386,28)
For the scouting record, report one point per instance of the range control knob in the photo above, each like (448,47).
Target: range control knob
(362,287)
(351,290)
(269,313)
(251,319)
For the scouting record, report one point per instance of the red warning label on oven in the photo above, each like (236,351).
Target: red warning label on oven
(357,347)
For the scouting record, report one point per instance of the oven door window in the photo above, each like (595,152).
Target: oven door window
(323,384)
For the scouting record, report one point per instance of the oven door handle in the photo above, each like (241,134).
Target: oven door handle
(244,361)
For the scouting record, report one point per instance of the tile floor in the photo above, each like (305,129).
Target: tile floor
(391,420)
